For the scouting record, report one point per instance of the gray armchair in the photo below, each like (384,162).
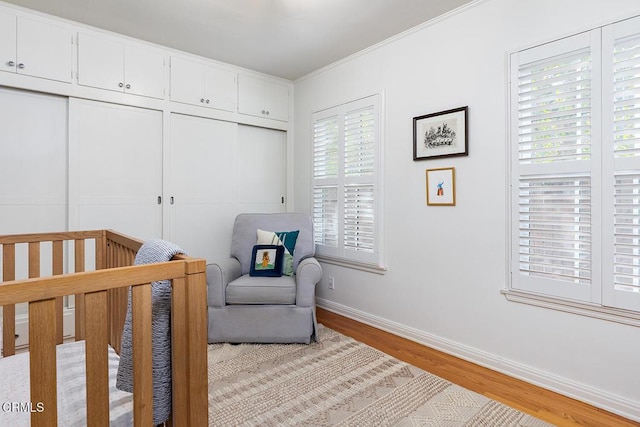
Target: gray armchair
(243,308)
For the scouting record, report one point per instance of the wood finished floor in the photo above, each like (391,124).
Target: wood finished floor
(546,405)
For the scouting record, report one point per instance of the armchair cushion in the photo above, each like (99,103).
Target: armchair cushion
(261,290)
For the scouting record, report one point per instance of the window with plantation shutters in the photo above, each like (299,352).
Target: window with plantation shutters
(621,170)
(345,181)
(575,168)
(553,94)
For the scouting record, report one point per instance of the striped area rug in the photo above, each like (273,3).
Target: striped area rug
(339,382)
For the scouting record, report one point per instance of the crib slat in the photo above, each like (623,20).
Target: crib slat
(42,362)
(57,268)
(96,359)
(142,355)
(179,347)
(9,311)
(196,319)
(80,308)
(34,259)
(9,330)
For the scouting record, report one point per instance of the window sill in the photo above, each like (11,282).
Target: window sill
(605,313)
(371,268)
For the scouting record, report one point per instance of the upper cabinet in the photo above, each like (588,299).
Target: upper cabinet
(263,98)
(114,64)
(205,85)
(35,48)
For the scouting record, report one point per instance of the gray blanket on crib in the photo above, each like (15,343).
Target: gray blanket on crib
(152,251)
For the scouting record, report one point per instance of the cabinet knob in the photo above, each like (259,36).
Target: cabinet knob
(207,101)
(120,84)
(128,86)
(11,63)
(267,112)
(264,112)
(21,65)
(202,100)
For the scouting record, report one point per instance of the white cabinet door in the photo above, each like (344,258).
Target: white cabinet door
(35,48)
(250,96)
(115,168)
(276,101)
(7,42)
(204,85)
(262,98)
(187,81)
(100,62)
(44,50)
(144,71)
(203,155)
(261,170)
(108,63)
(220,88)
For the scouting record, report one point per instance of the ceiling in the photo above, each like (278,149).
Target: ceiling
(285,38)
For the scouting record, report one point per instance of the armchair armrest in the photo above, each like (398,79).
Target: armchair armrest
(218,277)
(308,274)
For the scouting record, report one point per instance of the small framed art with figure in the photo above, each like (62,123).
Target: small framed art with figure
(266,260)
(441,187)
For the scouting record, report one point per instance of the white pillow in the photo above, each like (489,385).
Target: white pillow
(270,238)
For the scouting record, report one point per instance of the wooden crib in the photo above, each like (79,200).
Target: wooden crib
(100,309)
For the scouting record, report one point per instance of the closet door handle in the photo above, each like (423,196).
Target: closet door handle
(171,200)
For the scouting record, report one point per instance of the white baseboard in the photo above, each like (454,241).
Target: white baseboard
(593,396)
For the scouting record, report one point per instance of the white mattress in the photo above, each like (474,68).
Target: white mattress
(15,389)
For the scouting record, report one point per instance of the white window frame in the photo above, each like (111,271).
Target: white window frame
(336,251)
(601,297)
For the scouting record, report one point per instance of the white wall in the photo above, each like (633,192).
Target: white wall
(447,265)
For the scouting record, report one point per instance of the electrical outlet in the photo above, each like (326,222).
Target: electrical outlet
(332,283)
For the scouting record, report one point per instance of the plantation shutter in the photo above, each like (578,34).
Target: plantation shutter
(555,92)
(359,191)
(621,67)
(325,174)
(345,181)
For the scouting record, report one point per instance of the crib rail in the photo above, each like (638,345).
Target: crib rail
(111,250)
(101,299)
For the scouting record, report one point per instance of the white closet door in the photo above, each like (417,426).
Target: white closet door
(202,188)
(33,177)
(261,171)
(115,173)
(33,162)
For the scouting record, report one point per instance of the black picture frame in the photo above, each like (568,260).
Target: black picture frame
(269,260)
(441,134)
